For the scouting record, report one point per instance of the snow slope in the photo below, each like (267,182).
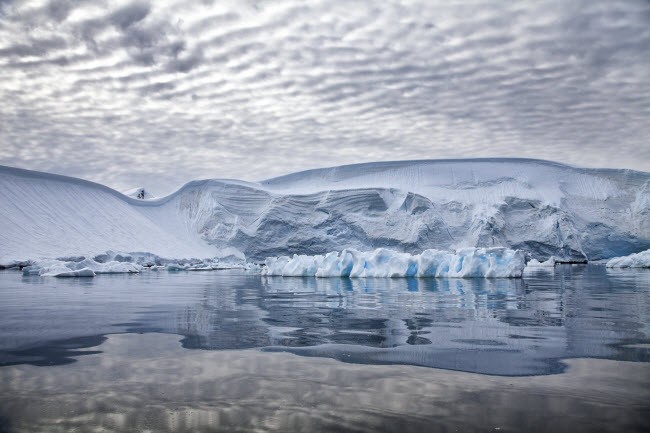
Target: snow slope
(544,208)
(48,216)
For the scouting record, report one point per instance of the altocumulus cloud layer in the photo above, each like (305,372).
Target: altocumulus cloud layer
(127,92)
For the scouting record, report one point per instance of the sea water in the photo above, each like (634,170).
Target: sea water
(563,349)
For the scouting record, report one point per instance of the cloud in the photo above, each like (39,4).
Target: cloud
(59,9)
(233,89)
(129,15)
(34,47)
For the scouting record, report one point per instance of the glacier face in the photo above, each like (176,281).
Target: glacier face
(543,208)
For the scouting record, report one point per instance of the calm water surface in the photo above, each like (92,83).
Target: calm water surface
(559,350)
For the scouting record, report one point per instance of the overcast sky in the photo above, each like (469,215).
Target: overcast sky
(157,93)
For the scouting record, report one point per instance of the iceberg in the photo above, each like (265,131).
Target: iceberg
(494,262)
(638,260)
(112,267)
(56,268)
(175,267)
(207,265)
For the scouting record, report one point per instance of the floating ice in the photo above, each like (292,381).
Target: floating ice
(56,268)
(466,263)
(112,267)
(208,265)
(638,260)
(202,266)
(83,268)
(546,264)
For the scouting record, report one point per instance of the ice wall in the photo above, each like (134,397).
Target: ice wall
(382,263)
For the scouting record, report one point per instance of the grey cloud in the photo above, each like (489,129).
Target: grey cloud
(87,30)
(212,22)
(144,37)
(182,62)
(156,88)
(35,47)
(53,12)
(129,15)
(301,85)
(59,9)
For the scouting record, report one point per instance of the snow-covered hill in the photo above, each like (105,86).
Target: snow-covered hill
(544,208)
(46,216)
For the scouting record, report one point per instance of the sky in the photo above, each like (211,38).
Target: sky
(158,93)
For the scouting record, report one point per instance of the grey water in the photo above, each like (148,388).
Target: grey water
(571,342)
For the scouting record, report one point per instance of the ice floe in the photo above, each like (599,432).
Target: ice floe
(83,268)
(638,260)
(549,263)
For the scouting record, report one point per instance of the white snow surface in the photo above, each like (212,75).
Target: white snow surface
(50,216)
(383,263)
(543,208)
(638,260)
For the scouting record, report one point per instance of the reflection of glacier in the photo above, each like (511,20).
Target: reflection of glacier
(495,326)
(504,326)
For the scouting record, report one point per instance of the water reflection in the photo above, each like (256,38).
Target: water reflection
(149,383)
(504,326)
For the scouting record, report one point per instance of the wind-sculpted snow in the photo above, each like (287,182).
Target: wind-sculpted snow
(542,208)
(638,260)
(384,263)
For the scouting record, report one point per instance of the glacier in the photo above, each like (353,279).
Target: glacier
(384,263)
(539,207)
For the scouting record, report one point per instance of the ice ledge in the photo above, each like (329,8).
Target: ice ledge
(383,263)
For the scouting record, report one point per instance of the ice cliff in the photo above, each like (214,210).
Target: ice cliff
(543,208)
